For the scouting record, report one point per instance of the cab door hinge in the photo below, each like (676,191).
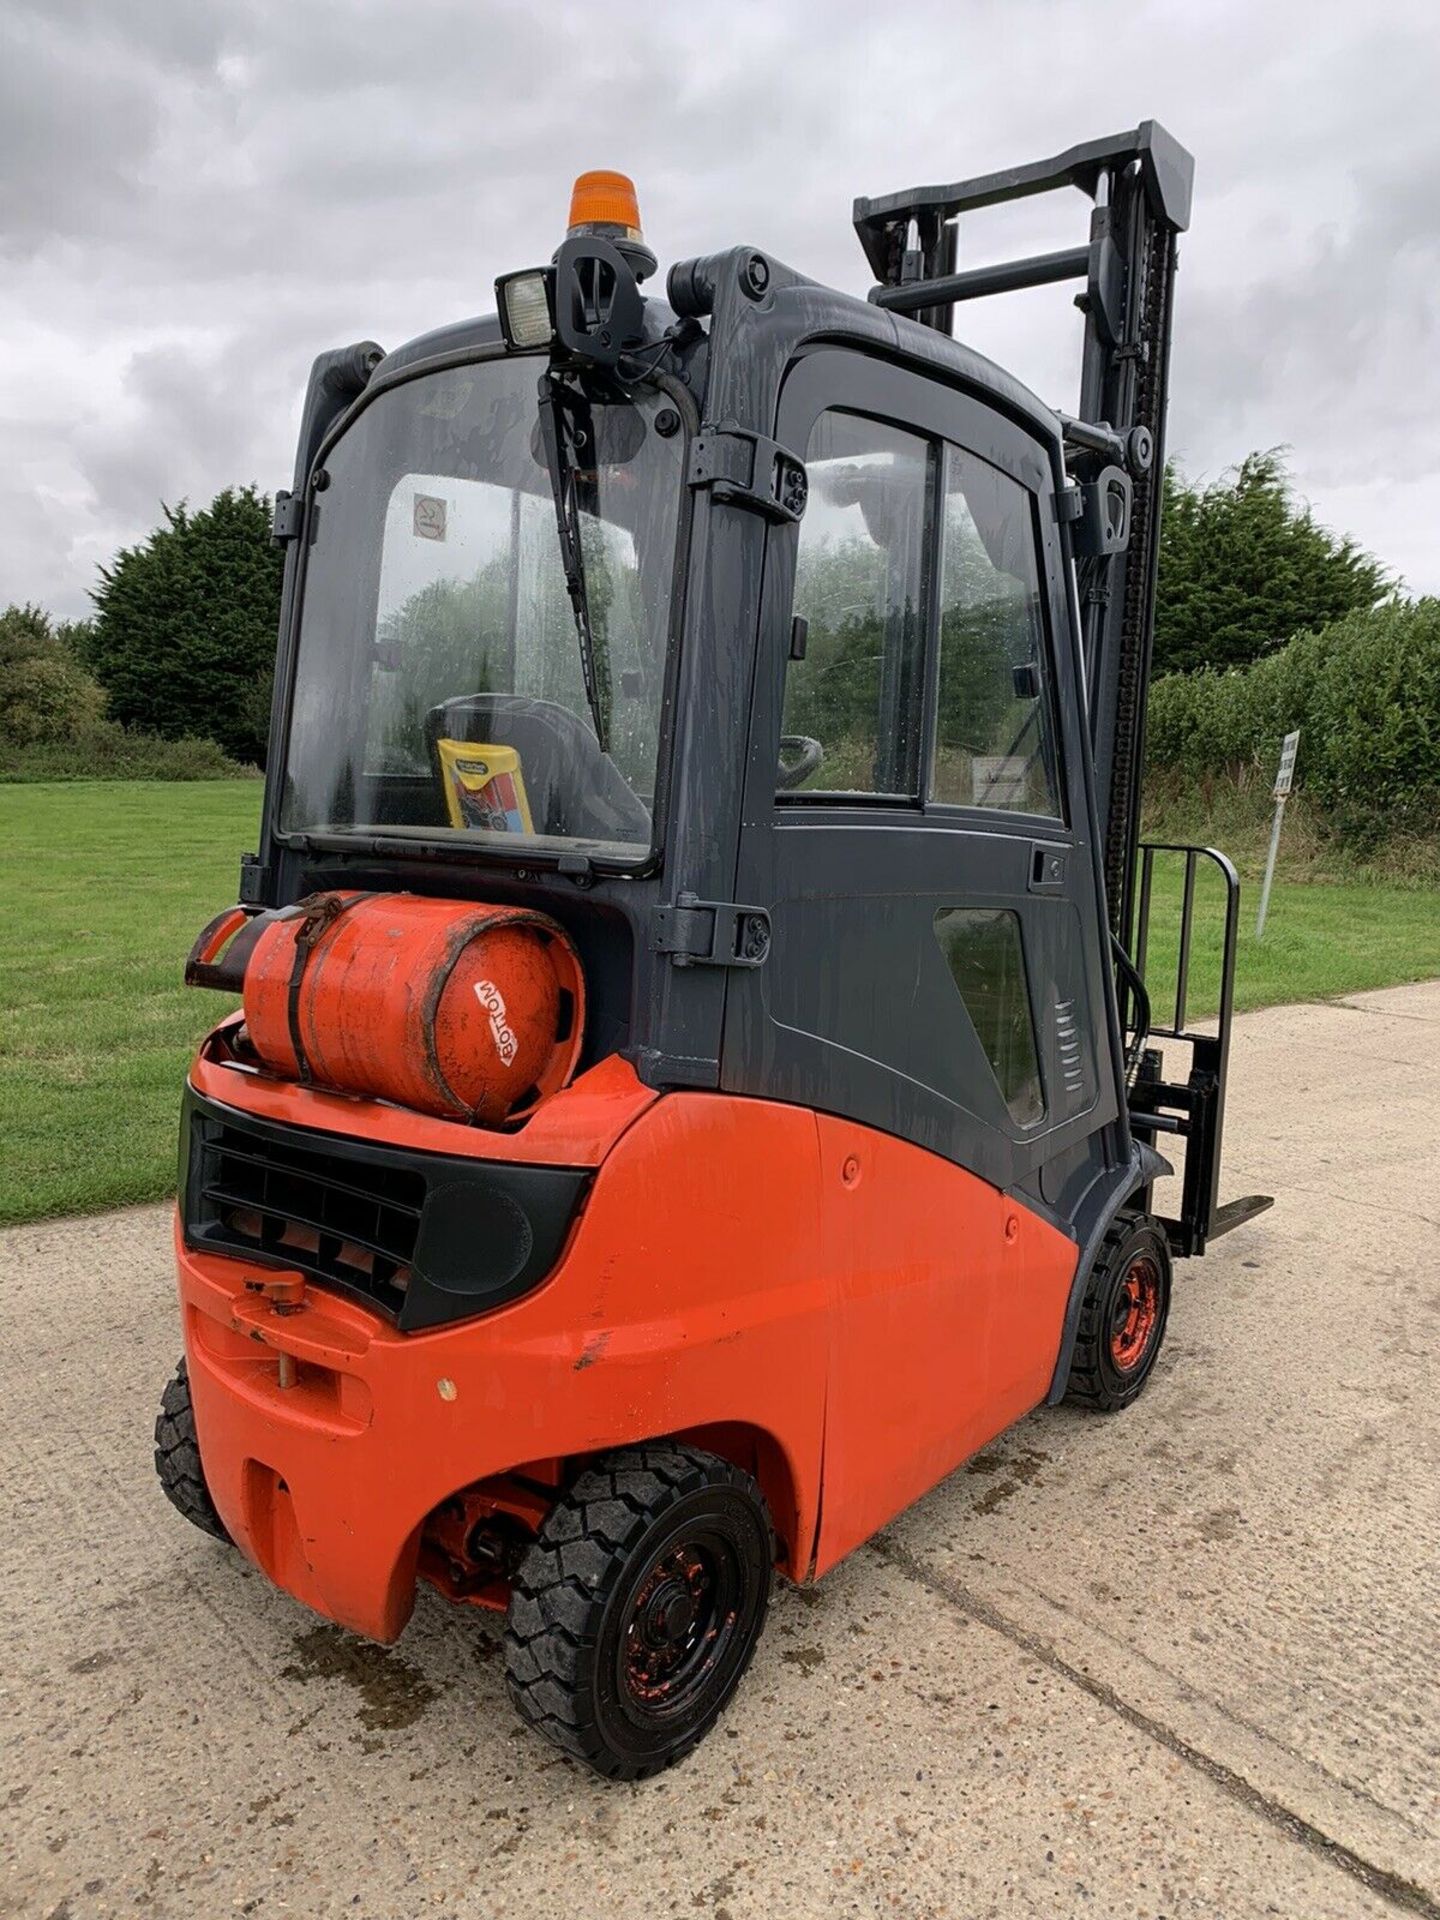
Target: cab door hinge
(748,470)
(254,880)
(711,933)
(287,519)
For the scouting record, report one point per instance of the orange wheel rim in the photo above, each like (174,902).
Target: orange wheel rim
(1137,1313)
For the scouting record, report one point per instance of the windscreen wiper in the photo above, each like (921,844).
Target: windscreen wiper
(553,431)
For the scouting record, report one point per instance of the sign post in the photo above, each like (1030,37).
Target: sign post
(1284,780)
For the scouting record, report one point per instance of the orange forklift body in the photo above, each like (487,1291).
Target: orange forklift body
(783,1292)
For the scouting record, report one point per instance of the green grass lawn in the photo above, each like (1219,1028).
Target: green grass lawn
(1322,938)
(106,885)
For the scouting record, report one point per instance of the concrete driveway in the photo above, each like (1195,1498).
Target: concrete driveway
(1181,1662)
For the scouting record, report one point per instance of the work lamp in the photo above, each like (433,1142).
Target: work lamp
(526,301)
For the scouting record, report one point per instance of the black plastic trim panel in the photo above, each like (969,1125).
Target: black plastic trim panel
(422,1238)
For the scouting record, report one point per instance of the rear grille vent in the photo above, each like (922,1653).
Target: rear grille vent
(307,1208)
(424,1237)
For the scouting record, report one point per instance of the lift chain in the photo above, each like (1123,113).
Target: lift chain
(1134,664)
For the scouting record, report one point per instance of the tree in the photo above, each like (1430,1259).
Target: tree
(1244,567)
(436,645)
(184,634)
(45,693)
(843,589)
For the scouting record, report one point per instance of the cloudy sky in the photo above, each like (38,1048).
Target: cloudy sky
(195,197)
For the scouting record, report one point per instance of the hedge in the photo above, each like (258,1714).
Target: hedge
(108,751)
(1365,694)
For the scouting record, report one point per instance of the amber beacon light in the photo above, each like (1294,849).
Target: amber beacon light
(605,204)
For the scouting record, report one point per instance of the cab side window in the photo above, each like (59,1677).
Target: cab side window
(995,731)
(854,687)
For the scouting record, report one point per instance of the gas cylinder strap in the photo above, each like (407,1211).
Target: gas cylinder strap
(318,914)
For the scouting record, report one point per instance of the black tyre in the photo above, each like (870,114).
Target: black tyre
(637,1608)
(1122,1322)
(177,1459)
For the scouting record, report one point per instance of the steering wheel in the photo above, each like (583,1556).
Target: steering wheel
(794,773)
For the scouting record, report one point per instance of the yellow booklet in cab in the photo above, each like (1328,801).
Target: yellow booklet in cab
(484,786)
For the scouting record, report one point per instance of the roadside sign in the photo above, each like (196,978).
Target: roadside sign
(1285,778)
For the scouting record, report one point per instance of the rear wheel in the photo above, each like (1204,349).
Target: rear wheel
(637,1609)
(1122,1322)
(177,1459)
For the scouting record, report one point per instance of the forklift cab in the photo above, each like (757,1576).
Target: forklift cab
(752,651)
(782,660)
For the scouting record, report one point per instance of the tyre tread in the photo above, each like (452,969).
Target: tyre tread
(560,1589)
(1086,1386)
(177,1458)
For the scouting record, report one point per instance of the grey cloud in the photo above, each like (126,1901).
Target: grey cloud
(83,97)
(197,198)
(180,410)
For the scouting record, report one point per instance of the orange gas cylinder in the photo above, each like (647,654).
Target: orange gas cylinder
(468,1012)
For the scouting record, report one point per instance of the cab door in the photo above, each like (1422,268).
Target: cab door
(915,828)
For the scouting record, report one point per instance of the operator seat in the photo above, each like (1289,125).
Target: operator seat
(575,789)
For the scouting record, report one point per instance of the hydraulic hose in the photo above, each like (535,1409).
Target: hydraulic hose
(1141,1002)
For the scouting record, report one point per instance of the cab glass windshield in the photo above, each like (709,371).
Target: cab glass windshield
(486,605)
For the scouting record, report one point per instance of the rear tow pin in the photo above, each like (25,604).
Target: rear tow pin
(286,1294)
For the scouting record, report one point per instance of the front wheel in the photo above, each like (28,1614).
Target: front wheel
(637,1609)
(1122,1321)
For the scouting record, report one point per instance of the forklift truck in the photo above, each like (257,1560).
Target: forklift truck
(695,1081)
